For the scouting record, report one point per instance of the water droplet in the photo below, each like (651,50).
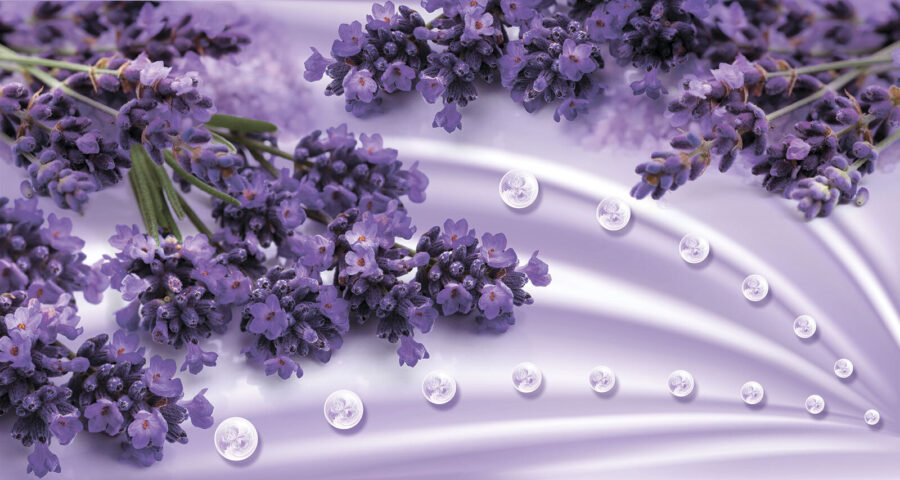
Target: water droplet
(236,439)
(439,387)
(843,368)
(872,417)
(804,326)
(815,404)
(343,409)
(526,377)
(752,393)
(693,248)
(755,287)
(518,188)
(613,214)
(602,379)
(681,383)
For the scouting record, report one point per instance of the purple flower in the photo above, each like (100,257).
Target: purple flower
(372,149)
(196,359)
(150,72)
(398,76)
(133,286)
(604,25)
(448,118)
(335,308)
(454,299)
(200,410)
(351,40)
(26,320)
(269,318)
(494,251)
(430,88)
(575,60)
(383,16)
(361,261)
(570,108)
(359,85)
(418,182)
(315,66)
(411,351)
(478,24)
(42,461)
(512,62)
(316,251)
(422,317)
(58,233)
(538,271)
(16,348)
(65,427)
(104,416)
(147,428)
(142,247)
(797,149)
(730,75)
(495,299)
(457,233)
(124,347)
(283,365)
(518,11)
(158,378)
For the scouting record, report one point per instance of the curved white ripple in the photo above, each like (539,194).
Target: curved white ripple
(592,186)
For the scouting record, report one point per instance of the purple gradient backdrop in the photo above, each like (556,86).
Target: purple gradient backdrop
(625,300)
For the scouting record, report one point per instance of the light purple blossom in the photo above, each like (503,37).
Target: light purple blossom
(398,77)
(350,41)
(494,251)
(383,16)
(430,88)
(133,286)
(104,416)
(359,85)
(372,149)
(478,24)
(411,351)
(457,233)
(158,378)
(42,461)
(422,317)
(797,149)
(269,318)
(575,60)
(200,410)
(448,118)
(361,261)
(495,298)
(65,427)
(537,270)
(315,66)
(283,365)
(334,307)
(454,299)
(16,348)
(147,428)
(729,74)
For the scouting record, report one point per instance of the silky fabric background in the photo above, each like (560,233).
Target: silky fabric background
(623,299)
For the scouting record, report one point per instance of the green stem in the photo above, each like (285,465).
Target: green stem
(168,189)
(190,178)
(862,122)
(832,86)
(253,144)
(46,62)
(839,65)
(148,182)
(887,141)
(265,163)
(193,217)
(143,203)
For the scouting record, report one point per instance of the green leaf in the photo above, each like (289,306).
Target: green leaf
(240,124)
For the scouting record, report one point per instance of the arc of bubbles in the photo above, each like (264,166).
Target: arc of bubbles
(587,184)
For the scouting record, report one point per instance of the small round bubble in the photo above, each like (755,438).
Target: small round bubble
(526,377)
(236,439)
(518,188)
(872,417)
(843,368)
(752,393)
(613,214)
(815,404)
(755,287)
(438,387)
(804,326)
(343,409)
(602,379)
(680,383)
(693,248)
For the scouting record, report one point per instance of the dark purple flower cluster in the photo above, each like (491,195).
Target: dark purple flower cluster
(294,315)
(554,61)
(381,58)
(346,174)
(463,276)
(43,262)
(181,292)
(121,395)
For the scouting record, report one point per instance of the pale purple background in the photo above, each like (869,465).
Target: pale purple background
(625,300)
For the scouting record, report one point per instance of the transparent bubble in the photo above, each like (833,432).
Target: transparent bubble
(843,368)
(613,214)
(872,417)
(518,188)
(804,326)
(343,409)
(602,379)
(681,383)
(526,377)
(693,248)
(752,393)
(439,387)
(815,404)
(236,439)
(755,287)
